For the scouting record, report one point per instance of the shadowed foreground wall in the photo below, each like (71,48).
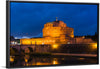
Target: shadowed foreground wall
(55,48)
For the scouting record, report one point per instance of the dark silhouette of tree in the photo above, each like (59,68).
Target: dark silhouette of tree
(95,37)
(12,38)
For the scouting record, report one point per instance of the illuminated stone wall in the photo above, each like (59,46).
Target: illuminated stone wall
(37,41)
(57,29)
(83,40)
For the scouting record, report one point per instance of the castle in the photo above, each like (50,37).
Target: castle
(56,32)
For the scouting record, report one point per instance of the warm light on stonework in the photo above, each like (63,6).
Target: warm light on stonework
(53,32)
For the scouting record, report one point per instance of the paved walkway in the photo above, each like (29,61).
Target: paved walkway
(84,55)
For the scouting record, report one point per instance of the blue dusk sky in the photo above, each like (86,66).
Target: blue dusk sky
(28,19)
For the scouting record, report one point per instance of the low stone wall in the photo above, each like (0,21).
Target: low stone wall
(75,48)
(64,48)
(42,49)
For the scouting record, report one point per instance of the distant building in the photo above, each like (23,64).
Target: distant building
(56,32)
(83,40)
(14,41)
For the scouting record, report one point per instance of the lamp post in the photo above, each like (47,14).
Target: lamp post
(35,46)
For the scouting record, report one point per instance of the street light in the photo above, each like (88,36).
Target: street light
(55,46)
(95,45)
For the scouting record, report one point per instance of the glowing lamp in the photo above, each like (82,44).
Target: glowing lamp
(95,45)
(55,46)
